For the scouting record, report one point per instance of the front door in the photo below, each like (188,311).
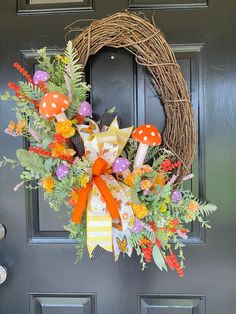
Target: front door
(41,275)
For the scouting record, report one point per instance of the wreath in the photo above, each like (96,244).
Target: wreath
(122,189)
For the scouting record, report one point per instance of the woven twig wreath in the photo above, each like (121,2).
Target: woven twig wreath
(147,43)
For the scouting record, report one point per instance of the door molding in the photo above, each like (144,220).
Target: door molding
(25,8)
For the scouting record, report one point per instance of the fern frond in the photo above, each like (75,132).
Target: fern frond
(52,87)
(30,90)
(207,209)
(73,69)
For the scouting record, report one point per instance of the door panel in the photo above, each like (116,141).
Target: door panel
(171,304)
(42,276)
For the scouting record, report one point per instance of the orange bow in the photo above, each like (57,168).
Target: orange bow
(99,167)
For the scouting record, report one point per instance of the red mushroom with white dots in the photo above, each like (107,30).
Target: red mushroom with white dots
(147,135)
(54,104)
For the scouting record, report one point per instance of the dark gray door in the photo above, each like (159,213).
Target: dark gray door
(42,276)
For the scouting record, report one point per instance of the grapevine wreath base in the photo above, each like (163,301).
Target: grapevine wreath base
(122,190)
(147,43)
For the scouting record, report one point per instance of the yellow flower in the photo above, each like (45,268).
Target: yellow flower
(65,128)
(48,184)
(69,152)
(146,185)
(84,180)
(163,208)
(129,180)
(137,172)
(140,210)
(193,205)
(64,60)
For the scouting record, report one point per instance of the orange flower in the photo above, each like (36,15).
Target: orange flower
(137,172)
(193,205)
(146,185)
(140,210)
(60,149)
(146,169)
(20,126)
(57,149)
(129,180)
(59,138)
(65,128)
(74,197)
(145,242)
(48,184)
(160,178)
(125,216)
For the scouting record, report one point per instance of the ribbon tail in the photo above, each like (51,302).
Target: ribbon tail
(99,223)
(81,203)
(112,205)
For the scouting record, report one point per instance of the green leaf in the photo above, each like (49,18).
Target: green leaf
(31,161)
(134,197)
(6,96)
(46,141)
(48,164)
(158,258)
(13,163)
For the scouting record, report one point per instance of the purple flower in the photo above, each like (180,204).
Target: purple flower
(176,196)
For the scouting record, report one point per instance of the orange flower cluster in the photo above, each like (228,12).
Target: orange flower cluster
(65,128)
(59,150)
(146,184)
(16,128)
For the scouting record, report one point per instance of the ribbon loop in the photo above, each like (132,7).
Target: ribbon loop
(99,167)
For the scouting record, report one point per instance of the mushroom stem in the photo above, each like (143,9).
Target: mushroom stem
(125,173)
(140,156)
(61,117)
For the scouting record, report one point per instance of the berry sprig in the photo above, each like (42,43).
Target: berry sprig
(40,151)
(173,263)
(146,247)
(23,72)
(166,165)
(20,94)
(14,87)
(46,153)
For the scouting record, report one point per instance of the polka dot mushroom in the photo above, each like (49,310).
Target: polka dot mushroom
(146,135)
(40,76)
(120,164)
(54,104)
